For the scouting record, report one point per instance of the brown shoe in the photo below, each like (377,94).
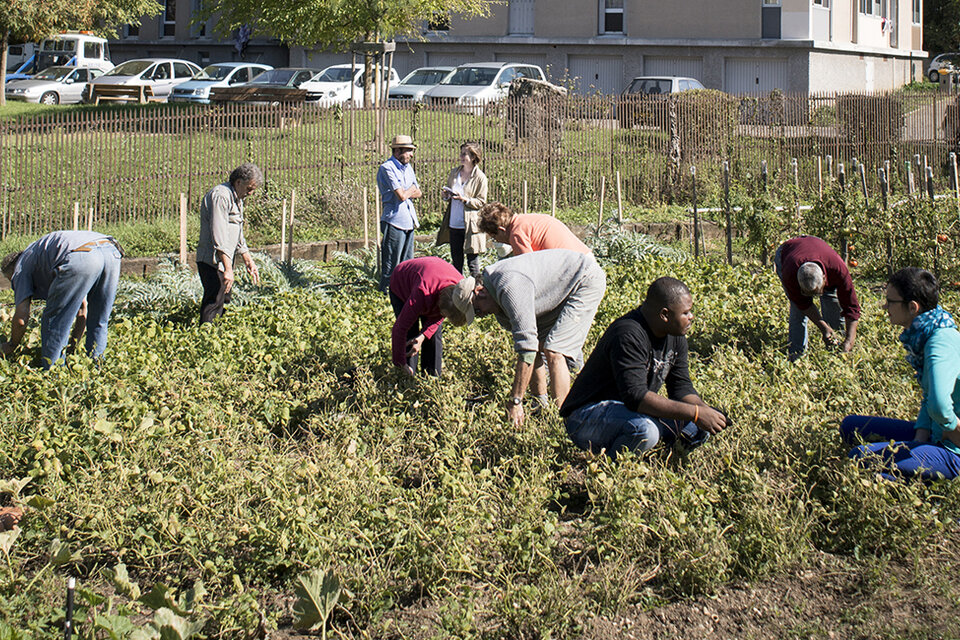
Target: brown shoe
(9,517)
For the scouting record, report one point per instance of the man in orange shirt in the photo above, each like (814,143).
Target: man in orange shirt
(527,232)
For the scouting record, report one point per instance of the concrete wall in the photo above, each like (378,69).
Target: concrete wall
(728,19)
(567,18)
(836,71)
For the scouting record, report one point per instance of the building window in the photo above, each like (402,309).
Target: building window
(131,31)
(916,12)
(870,7)
(611,16)
(170,18)
(439,22)
(822,3)
(771,3)
(199,27)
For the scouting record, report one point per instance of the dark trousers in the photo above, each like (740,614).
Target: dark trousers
(457,239)
(214,292)
(432,348)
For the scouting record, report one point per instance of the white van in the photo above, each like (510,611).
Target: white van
(67,50)
(17,54)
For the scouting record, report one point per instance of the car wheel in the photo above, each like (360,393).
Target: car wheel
(50,97)
(934,76)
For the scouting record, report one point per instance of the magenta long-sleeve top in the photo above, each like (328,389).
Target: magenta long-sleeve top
(418,283)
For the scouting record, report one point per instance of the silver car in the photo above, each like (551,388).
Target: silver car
(413,87)
(160,74)
(475,85)
(53,85)
(214,76)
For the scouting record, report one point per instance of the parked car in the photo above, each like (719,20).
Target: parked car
(221,74)
(416,83)
(332,85)
(160,74)
(659,85)
(273,81)
(66,50)
(477,84)
(54,85)
(640,103)
(946,61)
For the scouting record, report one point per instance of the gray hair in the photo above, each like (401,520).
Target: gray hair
(248,172)
(810,277)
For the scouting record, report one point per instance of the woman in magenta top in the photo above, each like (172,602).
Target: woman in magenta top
(415,291)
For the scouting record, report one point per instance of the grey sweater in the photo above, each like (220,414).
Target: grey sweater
(530,289)
(221,226)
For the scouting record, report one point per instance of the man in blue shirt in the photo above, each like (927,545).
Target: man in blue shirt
(398,188)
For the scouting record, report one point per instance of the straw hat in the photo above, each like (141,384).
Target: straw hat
(402,142)
(463,299)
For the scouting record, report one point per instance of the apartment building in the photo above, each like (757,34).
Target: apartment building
(738,46)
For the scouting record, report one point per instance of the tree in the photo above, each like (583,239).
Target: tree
(941,26)
(337,23)
(33,20)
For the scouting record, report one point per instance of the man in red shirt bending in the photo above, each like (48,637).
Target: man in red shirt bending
(809,267)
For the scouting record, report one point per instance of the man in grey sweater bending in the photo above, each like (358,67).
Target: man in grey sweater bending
(547,300)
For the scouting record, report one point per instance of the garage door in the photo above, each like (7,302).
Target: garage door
(439,59)
(673,66)
(755,75)
(596,74)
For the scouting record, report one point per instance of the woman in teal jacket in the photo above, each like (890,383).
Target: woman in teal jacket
(928,448)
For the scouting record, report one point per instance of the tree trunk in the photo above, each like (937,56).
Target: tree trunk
(367,80)
(4,43)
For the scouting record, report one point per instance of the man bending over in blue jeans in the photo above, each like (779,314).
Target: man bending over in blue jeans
(614,406)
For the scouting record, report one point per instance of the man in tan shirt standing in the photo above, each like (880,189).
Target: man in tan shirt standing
(221,238)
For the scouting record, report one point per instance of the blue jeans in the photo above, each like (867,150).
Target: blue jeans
(608,425)
(82,274)
(898,455)
(797,324)
(397,246)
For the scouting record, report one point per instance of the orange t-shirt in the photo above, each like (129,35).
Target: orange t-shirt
(537,231)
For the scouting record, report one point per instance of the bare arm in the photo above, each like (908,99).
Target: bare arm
(690,408)
(18,327)
(521,380)
(78,327)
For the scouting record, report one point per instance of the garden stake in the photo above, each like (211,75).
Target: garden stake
(863,183)
(956,182)
(293,202)
(819,178)
(696,214)
(830,166)
(929,172)
(603,187)
(911,186)
(525,210)
(283,229)
(76,216)
(366,220)
(90,219)
(916,161)
(183,230)
(726,203)
(841,177)
(796,198)
(553,198)
(620,200)
(884,186)
(68,619)
(376,228)
(763,174)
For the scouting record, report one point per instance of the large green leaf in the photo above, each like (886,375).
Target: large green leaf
(7,538)
(317,594)
(118,576)
(116,627)
(158,598)
(174,627)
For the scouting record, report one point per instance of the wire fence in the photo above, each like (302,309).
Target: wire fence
(130,164)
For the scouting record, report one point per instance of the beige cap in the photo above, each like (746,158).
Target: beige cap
(463,299)
(402,142)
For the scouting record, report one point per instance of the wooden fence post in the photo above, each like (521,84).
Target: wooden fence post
(283,231)
(819,178)
(293,204)
(366,220)
(183,230)
(76,216)
(90,219)
(603,188)
(619,201)
(726,203)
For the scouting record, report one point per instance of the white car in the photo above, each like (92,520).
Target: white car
(660,85)
(332,85)
(53,85)
(416,83)
(214,76)
(160,74)
(477,84)
(946,61)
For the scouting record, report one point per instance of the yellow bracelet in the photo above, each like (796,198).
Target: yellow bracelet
(696,413)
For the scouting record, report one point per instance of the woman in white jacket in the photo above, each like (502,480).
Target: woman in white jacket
(465,193)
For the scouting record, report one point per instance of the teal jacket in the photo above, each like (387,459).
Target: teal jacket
(941,386)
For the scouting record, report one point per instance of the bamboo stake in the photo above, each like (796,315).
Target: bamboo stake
(76,216)
(553,198)
(619,201)
(183,229)
(884,188)
(90,219)
(293,204)
(366,220)
(956,183)
(525,209)
(376,227)
(283,232)
(819,178)
(911,185)
(603,187)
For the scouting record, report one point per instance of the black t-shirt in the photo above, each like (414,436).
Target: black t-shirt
(627,362)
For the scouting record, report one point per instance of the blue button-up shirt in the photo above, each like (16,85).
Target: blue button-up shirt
(393,175)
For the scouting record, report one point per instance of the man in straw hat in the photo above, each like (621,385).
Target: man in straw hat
(547,300)
(398,188)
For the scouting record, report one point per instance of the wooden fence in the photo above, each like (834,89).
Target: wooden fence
(130,164)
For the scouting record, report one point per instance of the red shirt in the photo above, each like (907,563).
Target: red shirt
(418,283)
(795,252)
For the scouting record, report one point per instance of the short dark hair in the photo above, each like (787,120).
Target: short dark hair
(917,285)
(493,216)
(9,264)
(666,292)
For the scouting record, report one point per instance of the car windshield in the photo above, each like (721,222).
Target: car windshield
(130,68)
(341,74)
(275,76)
(214,72)
(425,77)
(54,73)
(46,60)
(650,86)
(472,76)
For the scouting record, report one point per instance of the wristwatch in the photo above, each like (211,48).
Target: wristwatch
(514,401)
